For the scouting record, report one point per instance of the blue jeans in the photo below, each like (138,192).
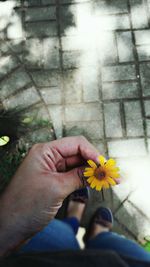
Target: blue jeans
(60,235)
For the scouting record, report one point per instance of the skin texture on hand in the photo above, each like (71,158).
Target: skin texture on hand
(48,174)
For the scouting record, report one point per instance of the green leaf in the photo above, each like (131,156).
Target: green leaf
(4,140)
(27,120)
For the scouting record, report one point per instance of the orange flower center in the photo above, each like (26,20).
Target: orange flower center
(99,173)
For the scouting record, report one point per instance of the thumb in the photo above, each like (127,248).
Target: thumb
(74,179)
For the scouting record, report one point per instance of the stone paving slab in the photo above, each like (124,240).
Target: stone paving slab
(85,67)
(137,223)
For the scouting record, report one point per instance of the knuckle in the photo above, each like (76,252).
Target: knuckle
(35,147)
(41,148)
(82,138)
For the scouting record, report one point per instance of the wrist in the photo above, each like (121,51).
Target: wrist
(8,242)
(10,230)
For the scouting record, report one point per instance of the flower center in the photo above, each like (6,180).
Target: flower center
(99,173)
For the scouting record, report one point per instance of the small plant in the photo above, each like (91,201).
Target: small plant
(147,243)
(16,132)
(9,163)
(11,124)
(36,122)
(11,150)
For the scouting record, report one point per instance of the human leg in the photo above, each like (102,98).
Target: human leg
(76,207)
(57,235)
(60,235)
(101,238)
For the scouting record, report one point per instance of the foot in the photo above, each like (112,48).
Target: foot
(97,229)
(77,203)
(75,209)
(102,221)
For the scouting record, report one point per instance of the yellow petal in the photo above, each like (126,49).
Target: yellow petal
(90,179)
(89,173)
(86,174)
(113,174)
(93,184)
(105,184)
(92,163)
(99,186)
(111,181)
(88,169)
(111,171)
(112,168)
(102,160)
(110,162)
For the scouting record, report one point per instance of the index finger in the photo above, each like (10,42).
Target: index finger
(77,145)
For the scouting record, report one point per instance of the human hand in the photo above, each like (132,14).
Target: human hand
(49,173)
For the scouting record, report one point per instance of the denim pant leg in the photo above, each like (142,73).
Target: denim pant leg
(73,222)
(56,236)
(120,244)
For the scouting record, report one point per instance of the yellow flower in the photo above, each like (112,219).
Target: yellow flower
(102,175)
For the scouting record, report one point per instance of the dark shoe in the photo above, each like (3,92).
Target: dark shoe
(102,216)
(81,195)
